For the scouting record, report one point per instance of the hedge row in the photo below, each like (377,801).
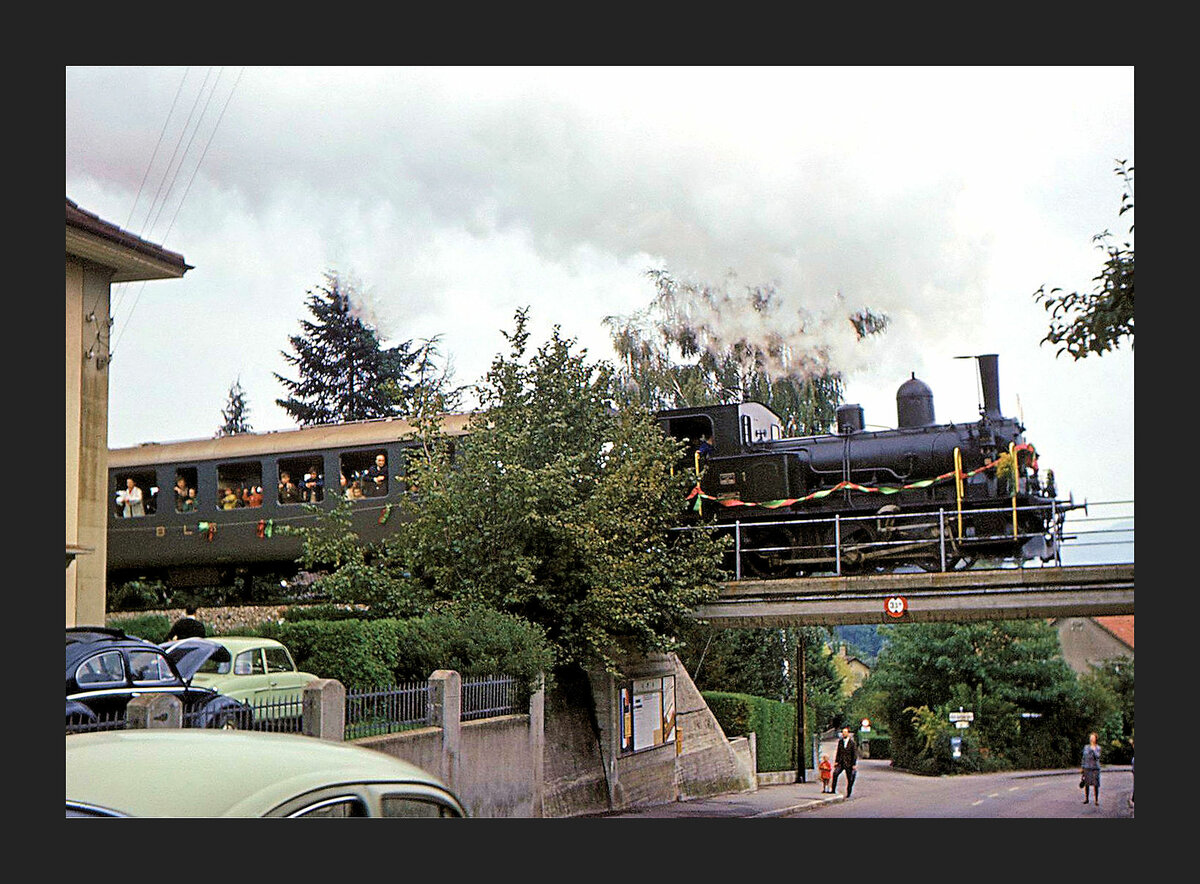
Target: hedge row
(365,653)
(773,722)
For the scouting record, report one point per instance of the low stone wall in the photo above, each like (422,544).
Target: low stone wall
(227,621)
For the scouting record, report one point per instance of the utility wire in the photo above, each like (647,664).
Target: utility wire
(195,171)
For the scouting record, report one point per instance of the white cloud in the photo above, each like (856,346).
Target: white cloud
(944,196)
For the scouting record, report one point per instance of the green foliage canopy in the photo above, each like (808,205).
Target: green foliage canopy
(996,669)
(555,507)
(1096,322)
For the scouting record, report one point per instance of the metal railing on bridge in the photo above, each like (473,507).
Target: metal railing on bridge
(1089,533)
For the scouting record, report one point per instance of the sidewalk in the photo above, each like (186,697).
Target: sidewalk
(774,800)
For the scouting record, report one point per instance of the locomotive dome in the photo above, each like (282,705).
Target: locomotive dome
(914,404)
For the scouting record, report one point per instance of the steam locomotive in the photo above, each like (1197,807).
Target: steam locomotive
(934,496)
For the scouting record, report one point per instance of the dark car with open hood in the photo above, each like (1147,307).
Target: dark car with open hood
(107,668)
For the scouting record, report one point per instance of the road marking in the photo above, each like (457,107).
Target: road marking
(1013,788)
(994,795)
(975,803)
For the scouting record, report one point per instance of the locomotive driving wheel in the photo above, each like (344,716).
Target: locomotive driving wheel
(856,550)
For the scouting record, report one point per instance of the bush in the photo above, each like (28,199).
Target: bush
(151,627)
(773,722)
(365,653)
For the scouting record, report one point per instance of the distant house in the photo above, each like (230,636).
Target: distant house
(1088,641)
(853,670)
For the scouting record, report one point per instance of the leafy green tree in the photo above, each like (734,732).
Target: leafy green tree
(559,508)
(675,354)
(345,373)
(1107,701)
(555,507)
(997,670)
(236,413)
(1097,321)
(762,663)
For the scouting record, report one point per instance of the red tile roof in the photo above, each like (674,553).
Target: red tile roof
(1121,626)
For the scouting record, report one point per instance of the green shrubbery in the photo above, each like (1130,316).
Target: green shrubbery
(773,722)
(151,627)
(364,653)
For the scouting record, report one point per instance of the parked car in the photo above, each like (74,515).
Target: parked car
(258,671)
(182,773)
(107,668)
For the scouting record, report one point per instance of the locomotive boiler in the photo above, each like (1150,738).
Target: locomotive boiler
(930,495)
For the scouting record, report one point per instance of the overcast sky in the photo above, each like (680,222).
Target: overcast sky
(453,196)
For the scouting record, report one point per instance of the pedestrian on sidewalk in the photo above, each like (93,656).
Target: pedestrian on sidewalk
(1089,774)
(826,770)
(845,758)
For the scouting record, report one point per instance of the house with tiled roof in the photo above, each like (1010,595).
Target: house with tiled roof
(1089,641)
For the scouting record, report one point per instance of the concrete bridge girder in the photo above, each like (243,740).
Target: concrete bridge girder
(1003,594)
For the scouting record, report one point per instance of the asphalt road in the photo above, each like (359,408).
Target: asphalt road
(883,792)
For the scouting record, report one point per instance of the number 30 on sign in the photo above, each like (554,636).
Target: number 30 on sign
(896,606)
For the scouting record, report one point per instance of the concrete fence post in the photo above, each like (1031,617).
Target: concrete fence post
(445,712)
(154,710)
(324,710)
(537,746)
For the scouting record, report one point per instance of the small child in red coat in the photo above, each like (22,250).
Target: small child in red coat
(826,770)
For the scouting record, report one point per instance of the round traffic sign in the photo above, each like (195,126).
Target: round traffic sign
(896,606)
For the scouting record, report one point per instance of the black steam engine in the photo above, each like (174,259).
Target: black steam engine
(935,496)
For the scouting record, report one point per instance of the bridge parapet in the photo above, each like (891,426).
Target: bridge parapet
(1002,594)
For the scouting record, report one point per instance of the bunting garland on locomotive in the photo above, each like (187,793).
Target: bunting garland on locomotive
(935,496)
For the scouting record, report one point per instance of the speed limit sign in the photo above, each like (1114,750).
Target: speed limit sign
(896,606)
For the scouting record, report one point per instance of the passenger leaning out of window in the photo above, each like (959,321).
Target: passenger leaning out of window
(185,497)
(229,499)
(288,491)
(130,500)
(252,496)
(376,482)
(314,484)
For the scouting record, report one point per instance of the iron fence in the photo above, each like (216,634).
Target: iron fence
(369,711)
(387,709)
(484,696)
(109,721)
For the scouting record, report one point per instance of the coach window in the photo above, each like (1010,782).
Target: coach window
(305,482)
(364,473)
(186,494)
(239,485)
(134,493)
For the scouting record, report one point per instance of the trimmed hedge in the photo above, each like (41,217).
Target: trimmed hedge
(367,653)
(773,722)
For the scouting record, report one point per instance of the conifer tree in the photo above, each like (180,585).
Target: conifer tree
(236,412)
(345,374)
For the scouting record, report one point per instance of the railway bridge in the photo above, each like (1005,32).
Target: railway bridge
(924,597)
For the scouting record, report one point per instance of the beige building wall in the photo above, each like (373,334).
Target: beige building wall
(98,254)
(87,295)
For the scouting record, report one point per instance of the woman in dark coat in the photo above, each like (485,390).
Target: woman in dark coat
(1090,772)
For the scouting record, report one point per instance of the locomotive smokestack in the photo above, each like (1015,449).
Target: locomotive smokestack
(989,378)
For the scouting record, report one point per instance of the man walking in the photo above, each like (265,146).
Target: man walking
(845,759)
